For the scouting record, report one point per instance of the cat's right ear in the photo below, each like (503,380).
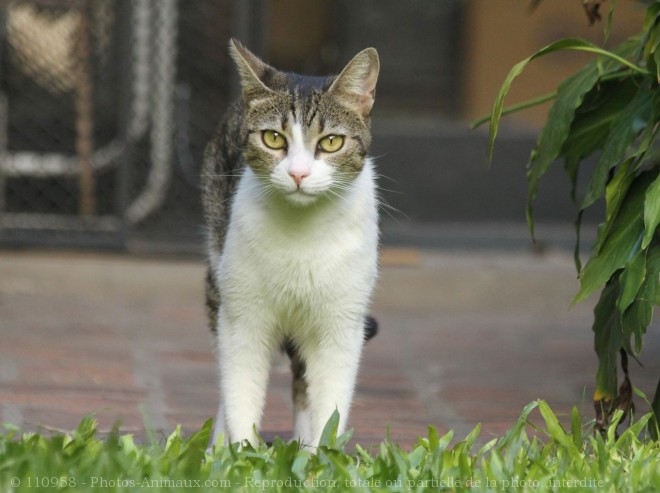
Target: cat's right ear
(252,71)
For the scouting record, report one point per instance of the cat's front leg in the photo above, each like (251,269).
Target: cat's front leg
(331,372)
(244,351)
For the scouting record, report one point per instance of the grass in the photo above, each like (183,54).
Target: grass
(552,459)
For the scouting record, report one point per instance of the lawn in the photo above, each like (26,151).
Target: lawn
(536,454)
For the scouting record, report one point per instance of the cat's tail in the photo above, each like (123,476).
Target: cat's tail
(370,327)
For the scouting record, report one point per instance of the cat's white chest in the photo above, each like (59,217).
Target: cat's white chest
(302,263)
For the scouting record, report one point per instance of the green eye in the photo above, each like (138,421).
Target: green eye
(273,139)
(331,143)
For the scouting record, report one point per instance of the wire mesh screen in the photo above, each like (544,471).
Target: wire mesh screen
(106,105)
(105,108)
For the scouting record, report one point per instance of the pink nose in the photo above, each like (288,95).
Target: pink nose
(298,175)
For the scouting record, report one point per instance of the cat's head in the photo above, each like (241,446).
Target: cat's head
(306,137)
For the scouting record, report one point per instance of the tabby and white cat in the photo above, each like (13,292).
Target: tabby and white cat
(290,201)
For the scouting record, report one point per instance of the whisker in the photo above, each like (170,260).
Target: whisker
(380,175)
(381,189)
(390,210)
(393,213)
(379,156)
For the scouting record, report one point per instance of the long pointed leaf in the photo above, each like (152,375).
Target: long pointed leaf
(607,342)
(651,212)
(651,15)
(329,433)
(592,121)
(622,243)
(639,315)
(625,129)
(555,429)
(631,280)
(615,192)
(655,407)
(564,44)
(514,108)
(576,427)
(570,95)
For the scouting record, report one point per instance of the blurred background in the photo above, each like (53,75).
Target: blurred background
(105,109)
(106,106)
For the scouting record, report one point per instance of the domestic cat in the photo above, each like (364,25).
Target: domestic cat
(291,206)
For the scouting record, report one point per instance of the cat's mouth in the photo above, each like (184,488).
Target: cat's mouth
(301,197)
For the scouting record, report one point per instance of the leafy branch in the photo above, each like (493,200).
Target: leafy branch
(609,110)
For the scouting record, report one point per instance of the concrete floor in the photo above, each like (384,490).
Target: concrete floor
(466,337)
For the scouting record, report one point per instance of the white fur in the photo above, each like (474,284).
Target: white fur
(299,264)
(302,425)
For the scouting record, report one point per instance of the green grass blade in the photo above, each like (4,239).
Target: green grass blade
(329,434)
(576,427)
(555,429)
(519,427)
(83,462)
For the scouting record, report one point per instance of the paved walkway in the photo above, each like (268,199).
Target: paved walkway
(465,337)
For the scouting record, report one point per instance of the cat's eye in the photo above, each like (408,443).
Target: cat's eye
(273,139)
(331,143)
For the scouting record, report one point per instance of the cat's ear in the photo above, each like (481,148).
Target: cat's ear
(356,84)
(252,72)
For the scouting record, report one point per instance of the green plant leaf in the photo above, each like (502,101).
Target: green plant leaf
(592,120)
(630,122)
(651,16)
(192,452)
(343,439)
(576,427)
(513,433)
(517,69)
(329,434)
(608,23)
(634,323)
(651,211)
(433,438)
(631,280)
(615,192)
(639,315)
(514,108)
(570,95)
(607,341)
(622,241)
(655,407)
(555,429)
(470,439)
(650,51)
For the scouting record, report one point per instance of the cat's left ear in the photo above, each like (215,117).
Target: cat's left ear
(356,85)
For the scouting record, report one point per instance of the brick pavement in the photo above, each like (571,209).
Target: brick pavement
(466,337)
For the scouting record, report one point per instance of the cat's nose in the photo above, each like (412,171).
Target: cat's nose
(298,175)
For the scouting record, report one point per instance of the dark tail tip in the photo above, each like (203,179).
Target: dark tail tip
(370,327)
